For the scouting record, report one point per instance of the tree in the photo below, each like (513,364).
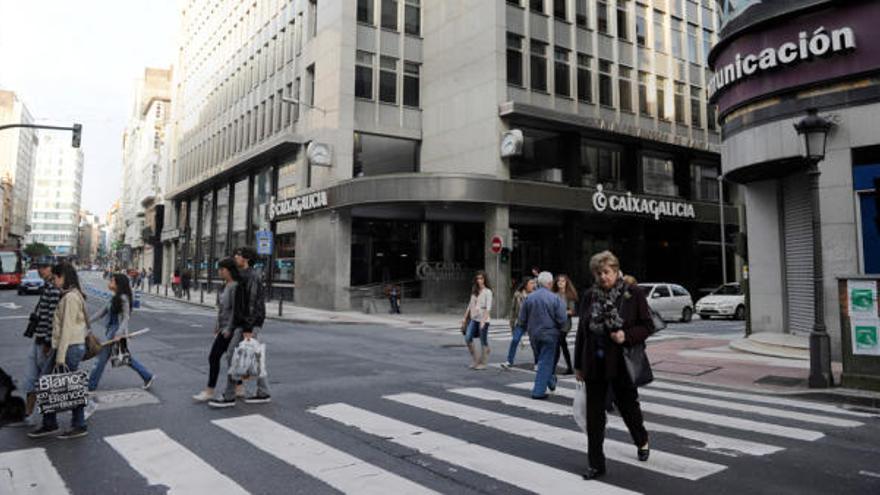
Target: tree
(37,249)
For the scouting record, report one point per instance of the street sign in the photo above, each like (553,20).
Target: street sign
(264,242)
(497,244)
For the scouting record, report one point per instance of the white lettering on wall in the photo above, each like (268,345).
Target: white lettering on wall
(628,203)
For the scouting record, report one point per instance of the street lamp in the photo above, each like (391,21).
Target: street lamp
(813,131)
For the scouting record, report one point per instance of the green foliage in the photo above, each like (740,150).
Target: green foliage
(37,249)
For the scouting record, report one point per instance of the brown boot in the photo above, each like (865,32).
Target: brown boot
(484,359)
(474,359)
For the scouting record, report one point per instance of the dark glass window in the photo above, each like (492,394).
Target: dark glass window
(379,155)
(641,25)
(285,257)
(559,10)
(536,6)
(363,75)
(645,106)
(659,32)
(679,103)
(411,84)
(389,14)
(658,176)
(580,13)
(388,80)
(584,79)
(412,18)
(561,72)
(624,87)
(606,92)
(622,21)
(705,182)
(514,60)
(661,98)
(600,164)
(365,11)
(539,66)
(696,105)
(602,16)
(542,158)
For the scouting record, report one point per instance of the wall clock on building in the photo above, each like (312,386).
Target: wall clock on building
(511,143)
(318,154)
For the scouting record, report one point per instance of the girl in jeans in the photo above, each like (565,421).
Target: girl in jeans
(228,271)
(528,286)
(117,313)
(478,311)
(68,341)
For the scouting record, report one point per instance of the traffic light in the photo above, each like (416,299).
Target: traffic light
(505,254)
(77,135)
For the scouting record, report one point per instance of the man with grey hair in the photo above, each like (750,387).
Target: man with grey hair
(543,315)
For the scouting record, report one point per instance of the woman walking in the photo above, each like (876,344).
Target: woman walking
(117,314)
(563,288)
(476,320)
(527,287)
(224,327)
(69,326)
(613,315)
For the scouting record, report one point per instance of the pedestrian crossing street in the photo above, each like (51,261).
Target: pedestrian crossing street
(696,431)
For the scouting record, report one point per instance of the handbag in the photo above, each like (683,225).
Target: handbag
(93,346)
(465,323)
(119,354)
(637,365)
(62,390)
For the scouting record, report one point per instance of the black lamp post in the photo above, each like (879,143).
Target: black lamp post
(813,130)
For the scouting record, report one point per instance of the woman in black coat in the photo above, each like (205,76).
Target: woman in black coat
(613,315)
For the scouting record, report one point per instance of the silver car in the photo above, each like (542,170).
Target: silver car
(673,302)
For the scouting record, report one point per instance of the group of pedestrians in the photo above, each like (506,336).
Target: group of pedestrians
(613,318)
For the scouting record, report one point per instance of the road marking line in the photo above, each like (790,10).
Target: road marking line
(752,358)
(715,443)
(781,401)
(162,461)
(516,471)
(661,462)
(869,474)
(16,317)
(342,471)
(29,471)
(714,419)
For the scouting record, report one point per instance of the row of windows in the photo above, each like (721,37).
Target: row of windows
(389,14)
(43,215)
(388,77)
(55,205)
(53,238)
(53,226)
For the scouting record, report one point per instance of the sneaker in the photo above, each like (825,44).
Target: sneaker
(221,403)
(203,396)
(149,383)
(506,364)
(90,409)
(43,431)
(74,433)
(258,399)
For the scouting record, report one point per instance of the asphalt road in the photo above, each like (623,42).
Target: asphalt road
(362,409)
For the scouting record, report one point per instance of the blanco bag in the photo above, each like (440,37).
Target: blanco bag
(246,359)
(579,408)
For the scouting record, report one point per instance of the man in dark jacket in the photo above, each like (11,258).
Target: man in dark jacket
(543,315)
(248,317)
(40,352)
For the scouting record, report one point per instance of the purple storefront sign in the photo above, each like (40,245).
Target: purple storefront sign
(847,37)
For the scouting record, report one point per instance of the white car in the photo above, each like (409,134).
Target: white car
(726,301)
(671,301)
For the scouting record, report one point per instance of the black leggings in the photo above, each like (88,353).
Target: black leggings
(221,343)
(562,346)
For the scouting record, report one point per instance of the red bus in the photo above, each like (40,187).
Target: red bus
(10,268)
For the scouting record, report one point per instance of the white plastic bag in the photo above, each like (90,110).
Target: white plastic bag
(262,361)
(246,359)
(579,408)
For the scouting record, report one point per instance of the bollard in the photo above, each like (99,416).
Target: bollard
(201,294)
(166,290)
(280,306)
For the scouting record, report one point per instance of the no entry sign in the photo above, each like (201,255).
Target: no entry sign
(497,244)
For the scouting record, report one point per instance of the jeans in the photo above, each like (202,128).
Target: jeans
(101,362)
(262,382)
(36,363)
(474,328)
(545,346)
(518,332)
(74,356)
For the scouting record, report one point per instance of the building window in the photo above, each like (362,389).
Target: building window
(539,66)
(679,103)
(659,32)
(380,155)
(411,84)
(559,10)
(363,75)
(658,176)
(389,14)
(288,110)
(624,87)
(693,56)
(313,18)
(600,164)
(696,105)
(675,34)
(622,19)
(711,123)
(705,182)
(580,13)
(602,16)
(285,258)
(412,17)
(584,79)
(641,25)
(661,98)
(388,79)
(645,106)
(296,96)
(536,6)
(262,194)
(365,11)
(561,73)
(543,157)
(514,60)
(270,116)
(310,85)
(606,93)
(707,44)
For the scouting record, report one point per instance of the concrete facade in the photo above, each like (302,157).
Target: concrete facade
(17,155)
(57,195)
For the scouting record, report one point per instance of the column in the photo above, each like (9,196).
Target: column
(323,265)
(498,223)
(424,240)
(448,243)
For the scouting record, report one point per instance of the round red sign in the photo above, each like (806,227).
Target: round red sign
(497,244)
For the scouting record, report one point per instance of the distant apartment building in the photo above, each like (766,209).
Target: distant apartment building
(57,194)
(89,238)
(17,149)
(145,168)
(362,142)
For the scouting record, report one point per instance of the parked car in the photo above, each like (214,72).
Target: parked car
(726,301)
(31,283)
(670,301)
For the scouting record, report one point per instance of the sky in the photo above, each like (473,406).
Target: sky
(77,61)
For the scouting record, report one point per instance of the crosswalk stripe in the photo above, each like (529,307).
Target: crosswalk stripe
(711,442)
(29,471)
(762,410)
(661,462)
(162,461)
(516,471)
(717,419)
(780,401)
(342,471)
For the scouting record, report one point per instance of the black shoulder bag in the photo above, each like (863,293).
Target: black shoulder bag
(637,365)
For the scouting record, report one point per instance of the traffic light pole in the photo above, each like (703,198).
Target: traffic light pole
(75,128)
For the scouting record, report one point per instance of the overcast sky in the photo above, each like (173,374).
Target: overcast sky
(77,61)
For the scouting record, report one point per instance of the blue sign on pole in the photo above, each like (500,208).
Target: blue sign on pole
(265,242)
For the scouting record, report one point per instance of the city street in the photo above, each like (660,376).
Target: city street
(376,409)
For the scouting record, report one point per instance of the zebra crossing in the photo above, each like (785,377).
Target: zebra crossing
(717,424)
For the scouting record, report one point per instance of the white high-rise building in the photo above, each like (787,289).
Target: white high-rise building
(57,194)
(17,147)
